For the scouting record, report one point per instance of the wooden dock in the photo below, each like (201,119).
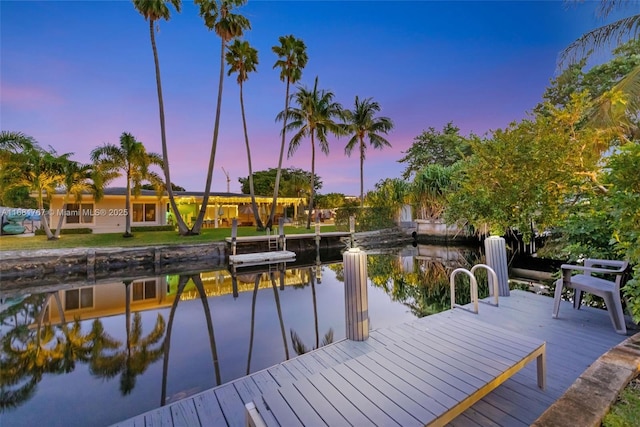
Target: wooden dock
(407,368)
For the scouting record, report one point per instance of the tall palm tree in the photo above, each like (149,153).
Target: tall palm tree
(219,17)
(152,11)
(242,59)
(132,160)
(609,35)
(362,123)
(292,58)
(78,179)
(313,116)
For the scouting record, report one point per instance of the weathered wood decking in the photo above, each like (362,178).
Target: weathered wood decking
(574,341)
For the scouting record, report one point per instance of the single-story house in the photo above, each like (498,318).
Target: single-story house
(147,209)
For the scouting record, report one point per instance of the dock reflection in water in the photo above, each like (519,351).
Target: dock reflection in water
(114,350)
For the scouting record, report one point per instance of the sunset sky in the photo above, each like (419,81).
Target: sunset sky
(76,74)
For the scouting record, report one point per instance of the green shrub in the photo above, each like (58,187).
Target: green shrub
(40,231)
(153,228)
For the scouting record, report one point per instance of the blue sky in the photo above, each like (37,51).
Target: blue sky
(76,74)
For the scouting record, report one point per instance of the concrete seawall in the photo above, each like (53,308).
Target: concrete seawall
(48,266)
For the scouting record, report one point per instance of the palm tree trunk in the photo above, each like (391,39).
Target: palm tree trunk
(61,219)
(182,227)
(253,321)
(279,309)
(361,172)
(313,174)
(127,203)
(315,306)
(254,207)
(43,216)
(214,144)
(197,280)
(166,345)
(276,188)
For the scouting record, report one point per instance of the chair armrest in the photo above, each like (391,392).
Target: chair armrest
(571,267)
(591,263)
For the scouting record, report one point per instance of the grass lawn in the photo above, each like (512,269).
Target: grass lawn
(147,238)
(626,411)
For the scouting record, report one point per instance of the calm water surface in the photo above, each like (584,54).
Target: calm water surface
(96,355)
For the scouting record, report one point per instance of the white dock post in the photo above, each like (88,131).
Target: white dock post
(234,234)
(496,253)
(356,302)
(352,229)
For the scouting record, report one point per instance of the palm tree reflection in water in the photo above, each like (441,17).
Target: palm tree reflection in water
(108,360)
(298,344)
(182,282)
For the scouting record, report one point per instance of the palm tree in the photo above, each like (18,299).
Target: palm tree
(131,160)
(242,59)
(153,11)
(39,170)
(292,58)
(614,33)
(227,25)
(313,117)
(362,123)
(78,179)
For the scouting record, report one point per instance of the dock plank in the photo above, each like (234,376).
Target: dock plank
(408,363)
(209,411)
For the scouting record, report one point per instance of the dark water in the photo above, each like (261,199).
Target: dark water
(96,355)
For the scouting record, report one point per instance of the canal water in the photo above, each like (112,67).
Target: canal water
(98,354)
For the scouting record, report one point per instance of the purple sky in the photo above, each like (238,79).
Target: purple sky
(76,74)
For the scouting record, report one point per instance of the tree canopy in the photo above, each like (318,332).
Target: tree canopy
(435,147)
(294,182)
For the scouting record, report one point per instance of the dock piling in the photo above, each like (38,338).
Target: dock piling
(355,294)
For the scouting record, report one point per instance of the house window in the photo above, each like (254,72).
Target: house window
(78,298)
(144,212)
(143,290)
(77,213)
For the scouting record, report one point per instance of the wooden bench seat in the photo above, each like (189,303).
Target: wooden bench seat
(437,371)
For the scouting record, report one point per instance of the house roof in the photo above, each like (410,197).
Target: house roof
(213,196)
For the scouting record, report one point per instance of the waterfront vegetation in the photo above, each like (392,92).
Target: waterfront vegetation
(147,238)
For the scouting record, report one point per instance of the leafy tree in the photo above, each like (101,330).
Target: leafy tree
(11,145)
(431,187)
(292,58)
(626,92)
(242,59)
(435,147)
(132,160)
(330,200)
(294,182)
(601,81)
(529,171)
(624,201)
(362,124)
(313,116)
(153,11)
(218,16)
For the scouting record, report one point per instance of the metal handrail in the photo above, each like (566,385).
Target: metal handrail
(473,287)
(474,290)
(494,276)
